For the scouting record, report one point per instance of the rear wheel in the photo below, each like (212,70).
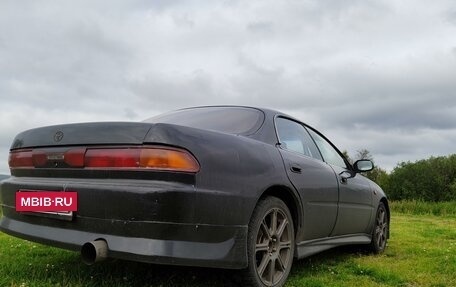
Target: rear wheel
(381,228)
(270,244)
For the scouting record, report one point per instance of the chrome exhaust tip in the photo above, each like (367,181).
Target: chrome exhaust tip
(94,251)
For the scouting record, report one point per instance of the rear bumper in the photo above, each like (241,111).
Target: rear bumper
(226,254)
(145,221)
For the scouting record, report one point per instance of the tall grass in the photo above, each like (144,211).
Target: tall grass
(447,208)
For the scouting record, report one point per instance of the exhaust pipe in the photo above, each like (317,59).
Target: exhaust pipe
(94,251)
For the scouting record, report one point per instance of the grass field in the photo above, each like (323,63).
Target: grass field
(421,252)
(447,209)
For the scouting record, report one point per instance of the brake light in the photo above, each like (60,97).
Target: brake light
(112,158)
(75,157)
(146,157)
(39,158)
(21,159)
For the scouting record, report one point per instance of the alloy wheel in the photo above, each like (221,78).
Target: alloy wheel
(381,228)
(273,248)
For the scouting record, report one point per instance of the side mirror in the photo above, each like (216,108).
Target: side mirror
(363,165)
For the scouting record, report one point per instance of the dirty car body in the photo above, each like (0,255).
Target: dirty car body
(196,215)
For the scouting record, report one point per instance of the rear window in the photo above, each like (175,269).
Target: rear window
(233,120)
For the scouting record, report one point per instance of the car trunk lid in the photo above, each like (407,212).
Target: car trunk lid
(99,133)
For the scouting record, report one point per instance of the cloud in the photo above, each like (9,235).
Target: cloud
(370,74)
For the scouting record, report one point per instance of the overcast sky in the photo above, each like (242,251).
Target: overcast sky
(379,75)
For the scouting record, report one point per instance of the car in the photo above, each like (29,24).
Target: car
(218,186)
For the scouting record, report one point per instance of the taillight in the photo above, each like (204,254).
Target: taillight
(40,158)
(21,159)
(168,159)
(146,157)
(75,157)
(112,158)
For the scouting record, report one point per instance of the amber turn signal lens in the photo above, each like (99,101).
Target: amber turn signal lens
(168,159)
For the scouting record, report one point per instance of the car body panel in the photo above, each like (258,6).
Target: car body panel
(83,133)
(355,204)
(157,215)
(318,190)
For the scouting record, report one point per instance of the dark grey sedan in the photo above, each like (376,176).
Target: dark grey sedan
(224,186)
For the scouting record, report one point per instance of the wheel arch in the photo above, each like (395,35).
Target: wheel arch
(292,201)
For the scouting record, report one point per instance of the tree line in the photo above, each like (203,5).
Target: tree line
(432,179)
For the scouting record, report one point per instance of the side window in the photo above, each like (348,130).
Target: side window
(330,155)
(293,136)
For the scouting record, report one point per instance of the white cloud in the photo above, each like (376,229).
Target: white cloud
(370,74)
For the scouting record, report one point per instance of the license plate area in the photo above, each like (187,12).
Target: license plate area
(61,215)
(52,204)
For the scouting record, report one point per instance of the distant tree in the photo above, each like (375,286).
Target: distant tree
(432,179)
(453,189)
(363,154)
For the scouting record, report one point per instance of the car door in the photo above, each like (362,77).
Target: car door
(313,179)
(355,194)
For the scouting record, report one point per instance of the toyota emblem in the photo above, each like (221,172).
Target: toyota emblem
(58,136)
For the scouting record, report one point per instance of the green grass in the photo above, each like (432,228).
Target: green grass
(421,252)
(422,207)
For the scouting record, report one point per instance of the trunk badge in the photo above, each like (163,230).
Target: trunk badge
(58,136)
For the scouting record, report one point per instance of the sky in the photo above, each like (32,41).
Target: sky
(376,75)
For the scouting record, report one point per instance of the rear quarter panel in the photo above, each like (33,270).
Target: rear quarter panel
(235,171)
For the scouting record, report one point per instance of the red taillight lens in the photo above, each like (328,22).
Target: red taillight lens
(20,159)
(75,157)
(111,158)
(157,158)
(39,158)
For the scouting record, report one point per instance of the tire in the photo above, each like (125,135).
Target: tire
(381,230)
(270,244)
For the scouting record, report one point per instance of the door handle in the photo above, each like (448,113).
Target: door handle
(295,168)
